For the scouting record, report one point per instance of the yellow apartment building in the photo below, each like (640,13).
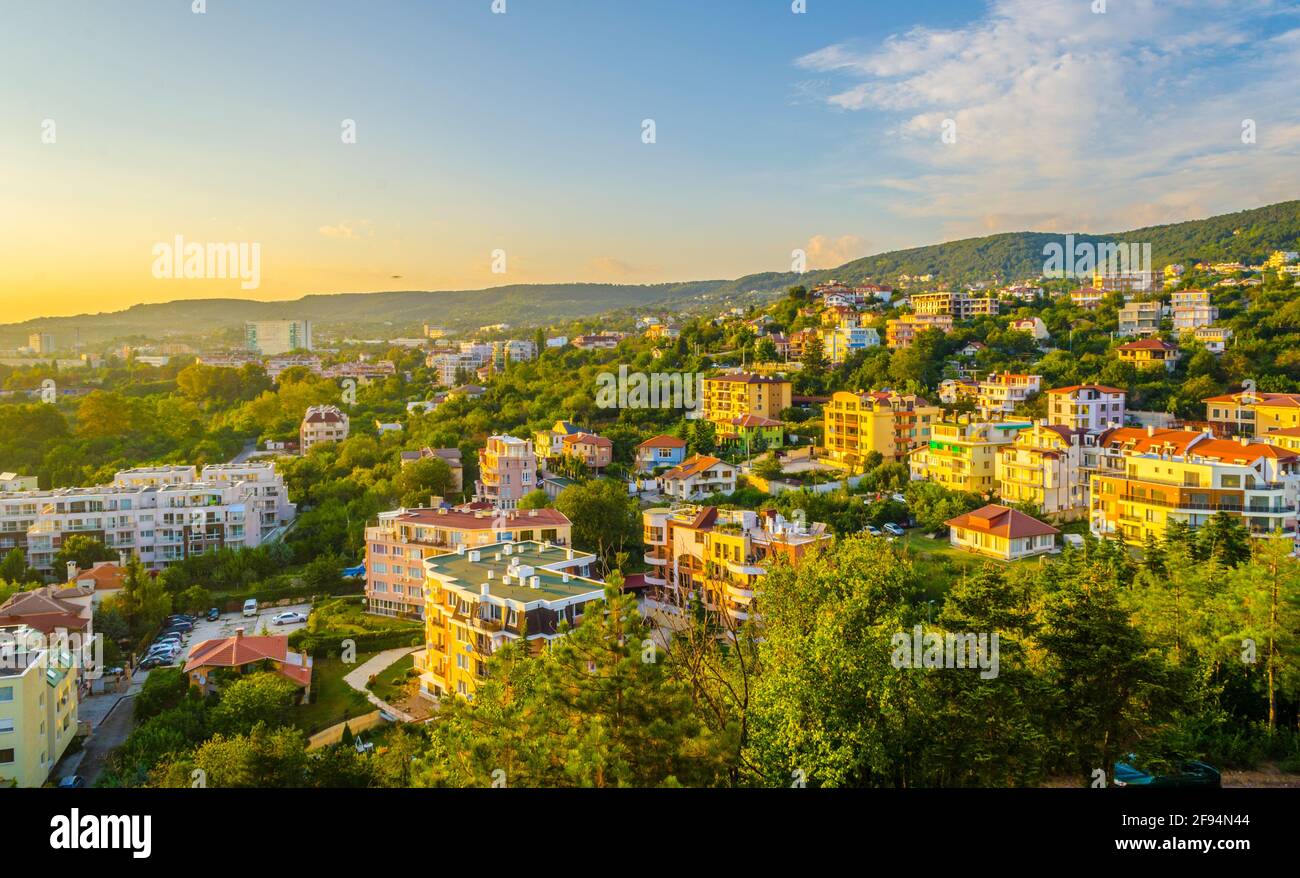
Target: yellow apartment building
(962,455)
(38,706)
(1149,353)
(1253,412)
(1149,478)
(856,424)
(1044,467)
(737,394)
(478,599)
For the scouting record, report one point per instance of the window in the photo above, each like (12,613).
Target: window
(6,756)
(6,693)
(6,725)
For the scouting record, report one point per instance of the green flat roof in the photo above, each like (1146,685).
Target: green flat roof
(470,575)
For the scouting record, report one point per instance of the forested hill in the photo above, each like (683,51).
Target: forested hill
(1246,236)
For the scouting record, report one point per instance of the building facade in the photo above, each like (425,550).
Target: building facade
(507,471)
(270,337)
(322,424)
(1087,408)
(856,424)
(962,455)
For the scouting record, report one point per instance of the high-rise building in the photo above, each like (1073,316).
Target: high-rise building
(270,337)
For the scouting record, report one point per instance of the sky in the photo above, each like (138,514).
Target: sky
(855,127)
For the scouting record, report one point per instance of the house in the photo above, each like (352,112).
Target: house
(242,654)
(401,539)
(57,610)
(698,477)
(594,451)
(1253,412)
(103,578)
(1140,318)
(1001,392)
(955,390)
(1149,353)
(972,348)
(322,423)
(1001,532)
(14,482)
(383,427)
(658,452)
(753,432)
(1034,326)
(1215,338)
(550,443)
(902,332)
(1192,310)
(1087,298)
(744,393)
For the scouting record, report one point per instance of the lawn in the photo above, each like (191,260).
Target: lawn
(335,700)
(393,683)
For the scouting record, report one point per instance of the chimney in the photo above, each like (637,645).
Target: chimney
(484,589)
(474,556)
(1244,441)
(72,571)
(239,633)
(491,573)
(534,582)
(1151,429)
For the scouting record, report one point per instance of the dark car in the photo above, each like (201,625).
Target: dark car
(180,617)
(72,782)
(214,614)
(1191,773)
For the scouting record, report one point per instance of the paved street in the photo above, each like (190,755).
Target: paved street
(108,735)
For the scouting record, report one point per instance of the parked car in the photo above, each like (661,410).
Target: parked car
(174,636)
(72,782)
(1189,774)
(873,530)
(893,529)
(163,649)
(289,618)
(179,627)
(898,498)
(250,607)
(148,663)
(214,614)
(180,617)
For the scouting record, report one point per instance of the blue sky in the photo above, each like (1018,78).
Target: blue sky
(521,131)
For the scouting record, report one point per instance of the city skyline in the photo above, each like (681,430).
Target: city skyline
(521,135)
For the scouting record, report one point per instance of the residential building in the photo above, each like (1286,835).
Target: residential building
(41,343)
(1127,281)
(449,456)
(1215,338)
(744,393)
(753,432)
(892,423)
(720,555)
(476,600)
(962,454)
(1149,478)
(1001,532)
(1253,412)
(159,514)
(658,452)
(596,452)
(65,611)
(1033,326)
(398,541)
(1140,318)
(847,337)
(1149,353)
(507,471)
(321,424)
(209,660)
(955,390)
(597,341)
(103,578)
(1044,467)
(1088,298)
(1001,392)
(1192,310)
(698,477)
(959,305)
(15,482)
(550,443)
(277,336)
(39,688)
(902,332)
(1087,408)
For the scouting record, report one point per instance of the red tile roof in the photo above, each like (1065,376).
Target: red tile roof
(1002,521)
(1148,344)
(239,651)
(1100,388)
(663,442)
(692,466)
(462,518)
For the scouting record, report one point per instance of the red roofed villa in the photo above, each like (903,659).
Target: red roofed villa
(243,655)
(1001,532)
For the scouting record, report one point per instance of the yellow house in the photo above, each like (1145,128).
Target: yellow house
(856,424)
(737,394)
(38,707)
(962,455)
(1253,413)
(477,599)
(1149,353)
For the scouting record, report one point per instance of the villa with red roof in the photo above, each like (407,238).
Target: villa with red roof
(1001,532)
(247,654)
(698,477)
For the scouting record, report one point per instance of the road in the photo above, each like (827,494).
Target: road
(108,735)
(246,453)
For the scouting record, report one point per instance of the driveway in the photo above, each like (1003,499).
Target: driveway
(358,676)
(107,736)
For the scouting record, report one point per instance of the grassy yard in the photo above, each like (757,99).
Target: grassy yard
(393,683)
(335,700)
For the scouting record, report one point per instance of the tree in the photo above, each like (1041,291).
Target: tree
(82,550)
(605,519)
(14,568)
(422,479)
(702,437)
(1225,539)
(262,697)
(535,499)
(143,601)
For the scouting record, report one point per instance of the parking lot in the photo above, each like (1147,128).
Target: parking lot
(228,623)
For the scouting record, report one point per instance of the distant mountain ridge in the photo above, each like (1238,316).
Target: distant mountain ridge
(1246,236)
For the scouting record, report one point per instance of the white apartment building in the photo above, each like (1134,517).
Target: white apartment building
(1140,319)
(1001,392)
(1087,408)
(1192,310)
(322,423)
(270,337)
(159,514)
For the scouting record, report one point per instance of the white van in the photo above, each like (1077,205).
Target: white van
(250,607)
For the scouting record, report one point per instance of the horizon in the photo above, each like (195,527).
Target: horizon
(493,150)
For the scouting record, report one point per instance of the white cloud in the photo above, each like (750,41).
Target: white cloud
(1064,117)
(347,230)
(826,252)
